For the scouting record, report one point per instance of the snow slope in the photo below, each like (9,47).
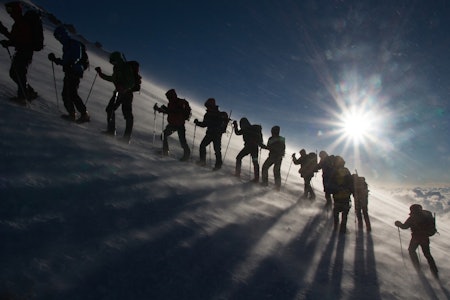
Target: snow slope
(84,216)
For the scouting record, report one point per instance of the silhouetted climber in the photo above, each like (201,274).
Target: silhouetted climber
(73,67)
(178,111)
(276,146)
(419,221)
(124,82)
(215,123)
(308,164)
(252,136)
(361,198)
(23,37)
(341,188)
(326,163)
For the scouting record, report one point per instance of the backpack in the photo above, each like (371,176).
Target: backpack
(187,112)
(33,19)
(257,134)
(428,223)
(224,119)
(137,77)
(360,186)
(84,60)
(310,164)
(311,161)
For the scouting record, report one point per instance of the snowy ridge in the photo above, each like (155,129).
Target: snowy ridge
(84,216)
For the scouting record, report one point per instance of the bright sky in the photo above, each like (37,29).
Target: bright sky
(370,83)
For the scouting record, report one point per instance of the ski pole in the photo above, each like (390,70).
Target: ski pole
(89,94)
(54,81)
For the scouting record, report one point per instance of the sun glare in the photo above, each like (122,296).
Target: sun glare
(356,125)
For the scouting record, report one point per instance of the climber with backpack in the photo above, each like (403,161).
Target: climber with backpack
(361,199)
(341,187)
(422,225)
(252,135)
(276,146)
(326,164)
(74,62)
(308,163)
(178,112)
(214,121)
(26,36)
(124,81)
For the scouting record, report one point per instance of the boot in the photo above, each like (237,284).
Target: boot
(201,163)
(70,116)
(84,118)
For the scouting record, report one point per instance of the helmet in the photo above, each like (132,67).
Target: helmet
(116,57)
(13,7)
(60,32)
(211,102)
(415,208)
(303,152)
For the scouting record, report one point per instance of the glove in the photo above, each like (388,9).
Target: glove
(51,57)
(196,122)
(5,43)
(98,69)
(155,107)
(293,155)
(398,223)
(234,123)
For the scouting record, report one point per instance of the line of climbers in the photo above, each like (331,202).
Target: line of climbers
(26,36)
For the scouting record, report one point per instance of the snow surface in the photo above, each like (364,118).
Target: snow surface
(84,216)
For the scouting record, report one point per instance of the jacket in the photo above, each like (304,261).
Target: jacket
(212,120)
(276,146)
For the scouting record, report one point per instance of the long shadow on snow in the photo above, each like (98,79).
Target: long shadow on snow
(185,263)
(365,272)
(280,276)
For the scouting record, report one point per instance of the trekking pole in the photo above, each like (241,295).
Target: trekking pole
(287,175)
(259,157)
(210,161)
(193,139)
(401,247)
(228,144)
(89,94)
(154,127)
(54,81)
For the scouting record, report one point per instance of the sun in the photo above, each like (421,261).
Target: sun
(357,125)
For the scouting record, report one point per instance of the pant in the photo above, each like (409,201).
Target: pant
(424,243)
(276,162)
(308,190)
(19,69)
(70,95)
(253,151)
(181,130)
(216,139)
(361,209)
(126,100)
(341,206)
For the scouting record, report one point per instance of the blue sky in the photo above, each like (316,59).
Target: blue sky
(304,65)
